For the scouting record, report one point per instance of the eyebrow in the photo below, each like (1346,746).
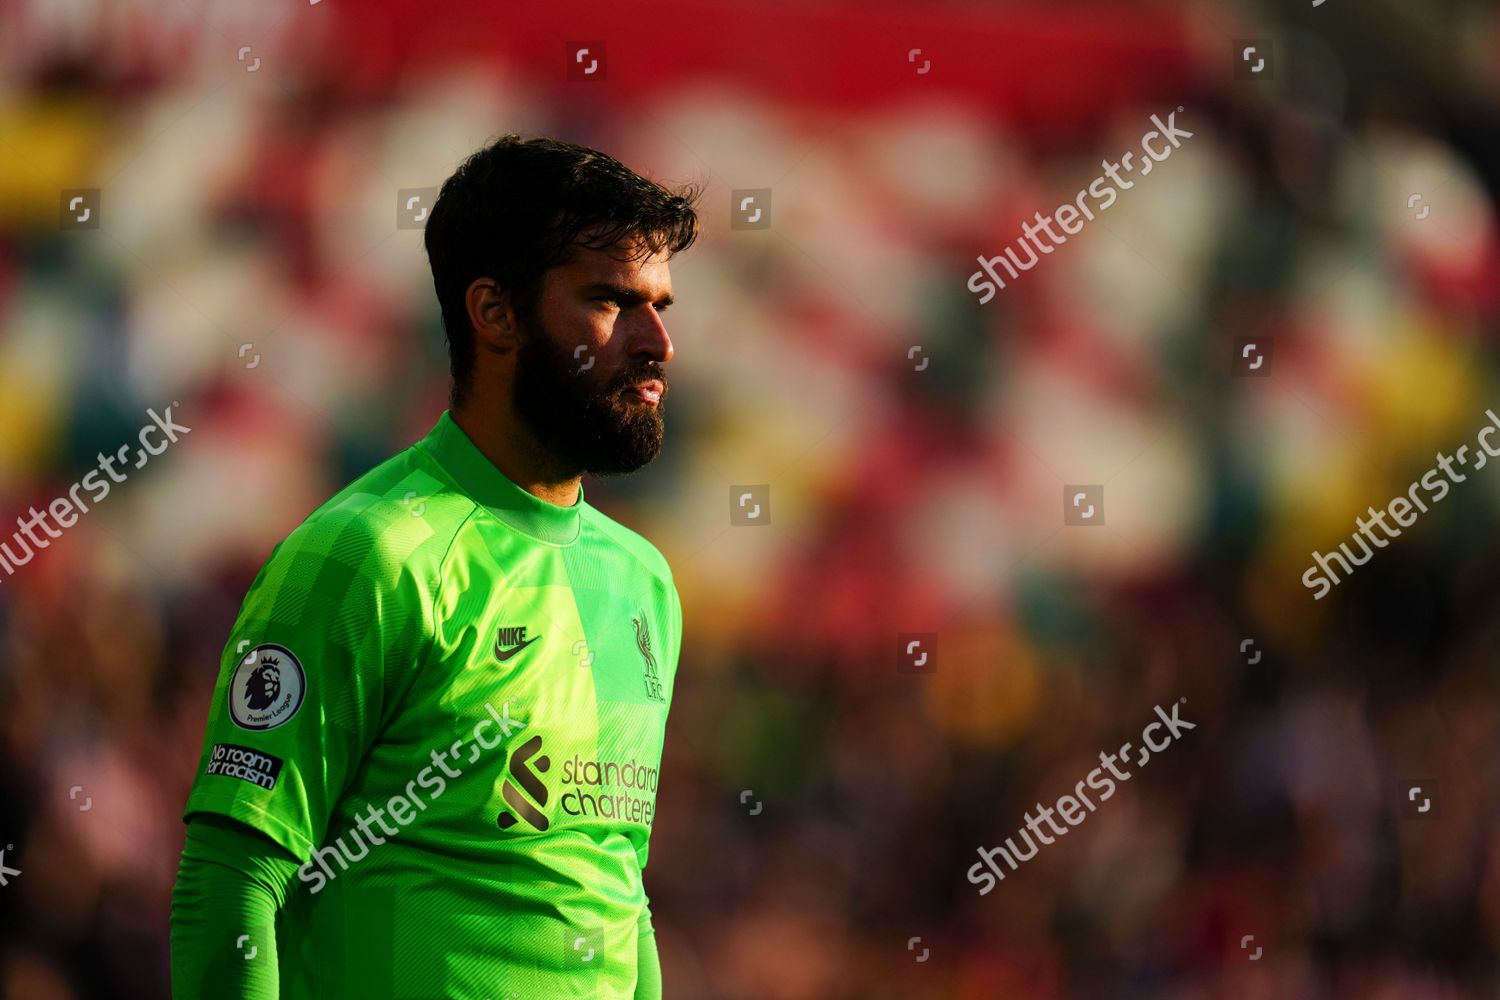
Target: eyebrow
(624,294)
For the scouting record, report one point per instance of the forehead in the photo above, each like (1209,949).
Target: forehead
(645,272)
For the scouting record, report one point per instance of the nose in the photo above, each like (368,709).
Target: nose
(650,338)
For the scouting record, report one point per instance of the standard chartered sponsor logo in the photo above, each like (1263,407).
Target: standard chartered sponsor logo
(525,764)
(594,789)
(608,802)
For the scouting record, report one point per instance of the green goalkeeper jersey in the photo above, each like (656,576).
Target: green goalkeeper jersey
(447,697)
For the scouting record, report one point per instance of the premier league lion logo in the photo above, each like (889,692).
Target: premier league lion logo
(267,688)
(265,685)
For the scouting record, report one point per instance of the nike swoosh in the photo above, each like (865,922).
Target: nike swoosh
(503,654)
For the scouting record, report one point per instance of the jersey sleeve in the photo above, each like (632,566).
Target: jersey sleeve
(230,884)
(647,959)
(326,641)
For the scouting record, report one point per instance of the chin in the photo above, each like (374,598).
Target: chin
(628,453)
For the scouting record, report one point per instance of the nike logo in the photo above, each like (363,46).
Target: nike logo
(514,636)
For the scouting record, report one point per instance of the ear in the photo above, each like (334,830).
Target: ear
(492,317)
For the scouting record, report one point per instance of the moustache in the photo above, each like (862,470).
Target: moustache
(628,378)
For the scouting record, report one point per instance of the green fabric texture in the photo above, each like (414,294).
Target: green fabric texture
(447,698)
(647,963)
(231,882)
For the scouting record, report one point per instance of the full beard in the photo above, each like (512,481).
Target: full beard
(602,429)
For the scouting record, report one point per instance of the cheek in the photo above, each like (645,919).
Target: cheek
(592,336)
(611,358)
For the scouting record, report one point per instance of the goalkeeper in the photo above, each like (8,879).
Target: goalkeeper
(431,759)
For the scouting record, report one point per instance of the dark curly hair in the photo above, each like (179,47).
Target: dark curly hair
(518,207)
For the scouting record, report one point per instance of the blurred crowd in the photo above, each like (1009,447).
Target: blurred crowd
(248,270)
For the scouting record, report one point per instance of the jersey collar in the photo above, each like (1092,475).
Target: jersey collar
(477,475)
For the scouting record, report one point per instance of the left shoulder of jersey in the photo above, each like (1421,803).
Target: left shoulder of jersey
(632,542)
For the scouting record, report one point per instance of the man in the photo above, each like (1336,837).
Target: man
(432,755)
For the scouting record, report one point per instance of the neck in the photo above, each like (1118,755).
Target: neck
(509,444)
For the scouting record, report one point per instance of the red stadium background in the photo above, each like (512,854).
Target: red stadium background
(821,803)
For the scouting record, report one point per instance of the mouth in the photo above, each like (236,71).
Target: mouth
(649,392)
